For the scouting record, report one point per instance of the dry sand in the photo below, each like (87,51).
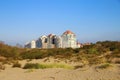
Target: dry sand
(85,73)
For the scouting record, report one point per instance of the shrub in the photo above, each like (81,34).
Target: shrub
(31,66)
(77,50)
(92,51)
(105,65)
(16,65)
(44,66)
(96,60)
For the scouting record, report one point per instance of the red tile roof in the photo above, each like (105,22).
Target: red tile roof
(68,32)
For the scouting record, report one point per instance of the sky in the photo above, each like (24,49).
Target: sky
(91,20)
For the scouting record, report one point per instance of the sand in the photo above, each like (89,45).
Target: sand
(85,73)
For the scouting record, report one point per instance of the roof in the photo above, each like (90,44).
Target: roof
(68,32)
(51,35)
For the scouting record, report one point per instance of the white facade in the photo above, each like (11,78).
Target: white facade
(51,40)
(33,44)
(43,41)
(28,45)
(67,40)
(59,42)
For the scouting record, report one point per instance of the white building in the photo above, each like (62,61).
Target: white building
(27,45)
(51,40)
(67,40)
(59,42)
(31,44)
(43,42)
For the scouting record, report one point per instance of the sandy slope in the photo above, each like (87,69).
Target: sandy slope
(86,73)
(59,74)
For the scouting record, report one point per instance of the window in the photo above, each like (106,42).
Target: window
(53,41)
(45,40)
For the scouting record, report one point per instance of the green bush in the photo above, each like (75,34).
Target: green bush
(44,66)
(93,51)
(17,65)
(31,66)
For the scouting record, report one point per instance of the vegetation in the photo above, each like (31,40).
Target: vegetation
(17,65)
(44,66)
(105,65)
(10,52)
(100,52)
(31,66)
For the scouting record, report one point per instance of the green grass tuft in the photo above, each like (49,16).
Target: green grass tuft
(44,66)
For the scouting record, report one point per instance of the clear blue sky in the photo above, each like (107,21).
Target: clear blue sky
(91,20)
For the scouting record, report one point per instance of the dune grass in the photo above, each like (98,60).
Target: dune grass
(44,66)
(105,66)
(55,65)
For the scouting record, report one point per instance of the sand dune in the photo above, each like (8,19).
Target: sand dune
(59,74)
(85,73)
